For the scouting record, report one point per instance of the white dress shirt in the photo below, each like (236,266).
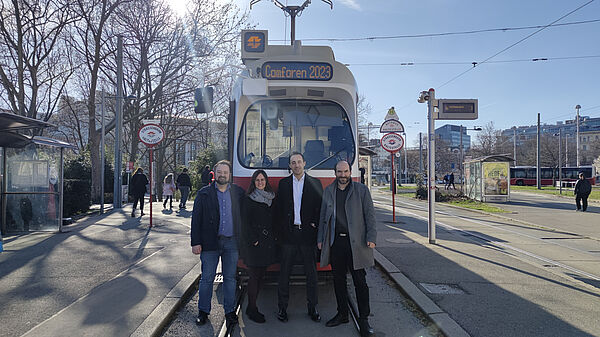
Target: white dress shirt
(298,186)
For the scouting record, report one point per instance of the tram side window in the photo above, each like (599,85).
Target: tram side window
(273,129)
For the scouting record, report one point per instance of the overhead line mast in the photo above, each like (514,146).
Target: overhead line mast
(292,11)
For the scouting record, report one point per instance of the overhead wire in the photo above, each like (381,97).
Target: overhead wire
(537,59)
(467,32)
(514,44)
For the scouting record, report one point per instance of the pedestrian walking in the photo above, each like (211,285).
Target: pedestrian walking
(258,240)
(215,234)
(205,176)
(138,190)
(446,180)
(298,208)
(582,191)
(184,184)
(347,234)
(168,190)
(451,181)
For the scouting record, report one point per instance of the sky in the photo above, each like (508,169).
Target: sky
(510,87)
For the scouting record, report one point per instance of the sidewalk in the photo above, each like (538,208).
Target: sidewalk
(106,275)
(469,286)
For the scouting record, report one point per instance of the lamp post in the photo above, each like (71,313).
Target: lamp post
(559,134)
(515,146)
(117,169)
(405,161)
(577,107)
(462,159)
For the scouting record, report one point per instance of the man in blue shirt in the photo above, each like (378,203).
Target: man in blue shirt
(216,227)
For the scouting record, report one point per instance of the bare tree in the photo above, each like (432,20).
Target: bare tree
(35,61)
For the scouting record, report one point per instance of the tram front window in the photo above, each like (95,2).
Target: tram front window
(273,129)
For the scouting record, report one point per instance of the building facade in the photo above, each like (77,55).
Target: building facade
(451,135)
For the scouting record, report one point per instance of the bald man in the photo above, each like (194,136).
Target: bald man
(346,239)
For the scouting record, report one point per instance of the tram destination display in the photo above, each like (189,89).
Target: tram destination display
(311,71)
(457,109)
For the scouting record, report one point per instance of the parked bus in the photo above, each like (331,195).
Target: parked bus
(526,175)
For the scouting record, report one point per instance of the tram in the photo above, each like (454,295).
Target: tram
(291,98)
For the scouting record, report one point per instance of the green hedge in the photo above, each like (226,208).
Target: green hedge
(77,196)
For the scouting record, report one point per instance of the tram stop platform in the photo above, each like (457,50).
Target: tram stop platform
(111,275)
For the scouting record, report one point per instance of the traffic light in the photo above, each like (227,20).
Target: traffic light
(203,100)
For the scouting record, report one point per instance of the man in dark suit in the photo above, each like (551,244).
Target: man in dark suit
(298,207)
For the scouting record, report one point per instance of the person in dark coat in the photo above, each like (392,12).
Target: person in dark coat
(215,234)
(205,176)
(298,208)
(184,184)
(451,181)
(583,188)
(138,190)
(258,240)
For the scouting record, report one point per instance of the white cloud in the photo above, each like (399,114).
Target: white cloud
(351,3)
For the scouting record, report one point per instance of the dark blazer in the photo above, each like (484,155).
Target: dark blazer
(206,216)
(310,210)
(257,225)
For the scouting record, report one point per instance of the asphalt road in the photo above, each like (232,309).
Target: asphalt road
(535,271)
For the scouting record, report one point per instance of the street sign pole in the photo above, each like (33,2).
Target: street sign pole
(151,134)
(151,180)
(393,189)
(392,143)
(431,166)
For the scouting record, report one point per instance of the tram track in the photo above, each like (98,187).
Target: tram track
(503,247)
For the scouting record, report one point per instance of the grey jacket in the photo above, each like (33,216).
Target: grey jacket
(361,223)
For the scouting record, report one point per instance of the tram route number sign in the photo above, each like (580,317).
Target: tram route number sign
(392,142)
(151,134)
(310,71)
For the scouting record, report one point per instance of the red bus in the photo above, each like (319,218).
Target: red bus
(526,175)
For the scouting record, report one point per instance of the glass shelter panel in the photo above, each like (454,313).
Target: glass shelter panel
(31,197)
(273,129)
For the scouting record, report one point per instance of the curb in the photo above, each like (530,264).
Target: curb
(154,324)
(440,318)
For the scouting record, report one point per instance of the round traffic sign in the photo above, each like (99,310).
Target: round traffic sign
(392,142)
(151,134)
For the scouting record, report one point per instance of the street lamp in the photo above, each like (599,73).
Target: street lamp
(462,169)
(559,134)
(405,160)
(577,107)
(117,150)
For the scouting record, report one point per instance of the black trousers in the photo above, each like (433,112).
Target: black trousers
(341,262)
(288,254)
(254,284)
(579,199)
(139,198)
(170,199)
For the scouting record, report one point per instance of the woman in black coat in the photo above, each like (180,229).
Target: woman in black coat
(258,238)
(138,189)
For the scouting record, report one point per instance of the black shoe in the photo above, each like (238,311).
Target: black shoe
(254,315)
(314,315)
(365,329)
(231,318)
(142,214)
(133,214)
(282,315)
(337,320)
(202,318)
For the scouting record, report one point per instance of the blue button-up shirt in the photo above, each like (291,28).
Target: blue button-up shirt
(225,213)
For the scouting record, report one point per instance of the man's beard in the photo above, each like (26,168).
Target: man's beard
(222,180)
(343,180)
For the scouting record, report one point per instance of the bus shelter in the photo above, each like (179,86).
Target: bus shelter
(487,178)
(365,163)
(31,177)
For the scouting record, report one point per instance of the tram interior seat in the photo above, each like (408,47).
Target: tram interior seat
(314,152)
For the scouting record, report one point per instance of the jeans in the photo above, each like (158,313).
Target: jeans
(228,252)
(185,192)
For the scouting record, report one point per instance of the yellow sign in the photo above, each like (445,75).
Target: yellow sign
(495,178)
